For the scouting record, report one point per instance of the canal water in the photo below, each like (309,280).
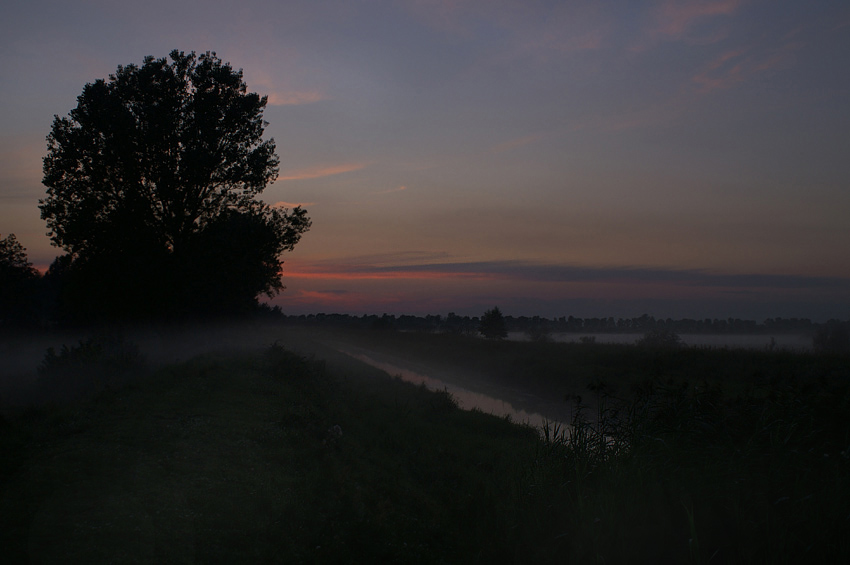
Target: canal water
(471,400)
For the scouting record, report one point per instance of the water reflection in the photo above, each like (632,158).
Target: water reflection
(466,399)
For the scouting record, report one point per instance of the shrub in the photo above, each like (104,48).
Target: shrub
(834,337)
(94,364)
(660,339)
(539,334)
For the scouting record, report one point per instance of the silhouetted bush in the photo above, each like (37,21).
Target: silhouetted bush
(834,337)
(660,339)
(539,334)
(94,364)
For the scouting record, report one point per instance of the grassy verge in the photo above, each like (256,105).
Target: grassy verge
(265,458)
(274,457)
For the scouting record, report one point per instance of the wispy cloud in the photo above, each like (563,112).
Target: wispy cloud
(283,204)
(555,39)
(542,272)
(323,171)
(392,190)
(324,295)
(722,72)
(265,75)
(338,300)
(322,298)
(536,30)
(674,18)
(386,259)
(518,142)
(736,66)
(293,98)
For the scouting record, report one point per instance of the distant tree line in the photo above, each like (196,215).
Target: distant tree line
(454,323)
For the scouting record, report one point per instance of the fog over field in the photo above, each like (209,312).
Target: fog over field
(793,342)
(23,352)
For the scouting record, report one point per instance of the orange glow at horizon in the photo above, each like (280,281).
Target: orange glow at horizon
(438,287)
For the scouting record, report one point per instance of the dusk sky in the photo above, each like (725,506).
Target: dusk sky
(587,158)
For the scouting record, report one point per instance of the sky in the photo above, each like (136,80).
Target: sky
(685,159)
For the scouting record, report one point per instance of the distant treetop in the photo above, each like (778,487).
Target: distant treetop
(493,324)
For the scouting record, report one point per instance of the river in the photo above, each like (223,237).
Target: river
(548,413)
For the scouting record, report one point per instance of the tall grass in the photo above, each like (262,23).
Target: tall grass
(94,364)
(685,472)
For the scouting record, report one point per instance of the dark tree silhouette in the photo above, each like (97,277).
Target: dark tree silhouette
(493,324)
(152,184)
(18,283)
(832,337)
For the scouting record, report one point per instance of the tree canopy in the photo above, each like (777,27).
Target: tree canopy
(152,184)
(493,324)
(18,280)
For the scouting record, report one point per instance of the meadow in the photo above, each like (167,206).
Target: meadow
(296,453)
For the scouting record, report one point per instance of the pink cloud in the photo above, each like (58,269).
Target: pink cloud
(518,142)
(293,98)
(339,300)
(675,18)
(308,272)
(391,190)
(264,76)
(530,29)
(323,171)
(559,41)
(722,72)
(736,66)
(283,204)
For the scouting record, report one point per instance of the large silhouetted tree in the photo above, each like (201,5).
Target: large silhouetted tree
(152,184)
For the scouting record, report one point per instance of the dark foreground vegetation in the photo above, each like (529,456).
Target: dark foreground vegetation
(684,455)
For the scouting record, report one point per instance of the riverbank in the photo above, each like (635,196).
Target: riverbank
(261,458)
(547,377)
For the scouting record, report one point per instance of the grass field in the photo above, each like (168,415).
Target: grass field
(682,456)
